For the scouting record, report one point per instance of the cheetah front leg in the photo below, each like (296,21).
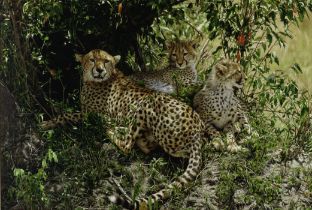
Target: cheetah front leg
(242,121)
(232,145)
(124,137)
(61,120)
(215,136)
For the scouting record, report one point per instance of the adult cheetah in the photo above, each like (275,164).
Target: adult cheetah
(157,119)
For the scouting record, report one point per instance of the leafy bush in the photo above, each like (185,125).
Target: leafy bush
(30,186)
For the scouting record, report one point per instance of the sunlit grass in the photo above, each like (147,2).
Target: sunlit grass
(299,50)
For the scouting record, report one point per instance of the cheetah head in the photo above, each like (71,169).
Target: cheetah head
(182,54)
(228,72)
(97,65)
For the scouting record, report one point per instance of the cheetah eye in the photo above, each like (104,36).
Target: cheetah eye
(92,60)
(221,73)
(185,53)
(106,61)
(174,55)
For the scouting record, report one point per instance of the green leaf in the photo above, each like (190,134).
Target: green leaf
(304,110)
(296,68)
(18,172)
(44,163)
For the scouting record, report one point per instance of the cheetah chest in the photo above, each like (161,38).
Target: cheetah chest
(224,106)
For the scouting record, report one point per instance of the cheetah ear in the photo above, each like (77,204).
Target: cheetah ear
(194,43)
(78,57)
(225,61)
(117,58)
(220,69)
(169,45)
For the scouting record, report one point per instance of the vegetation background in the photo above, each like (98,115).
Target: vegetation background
(76,167)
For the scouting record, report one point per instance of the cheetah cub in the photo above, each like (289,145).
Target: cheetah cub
(219,107)
(157,119)
(181,71)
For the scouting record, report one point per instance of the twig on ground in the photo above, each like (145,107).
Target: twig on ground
(120,188)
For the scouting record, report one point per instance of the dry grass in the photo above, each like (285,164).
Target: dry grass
(298,50)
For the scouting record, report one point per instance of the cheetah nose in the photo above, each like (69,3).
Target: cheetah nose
(99,70)
(240,79)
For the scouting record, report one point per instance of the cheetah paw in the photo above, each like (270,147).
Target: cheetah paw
(248,129)
(253,134)
(45,125)
(234,148)
(231,144)
(122,145)
(237,127)
(111,134)
(218,144)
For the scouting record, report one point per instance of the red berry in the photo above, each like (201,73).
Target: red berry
(241,40)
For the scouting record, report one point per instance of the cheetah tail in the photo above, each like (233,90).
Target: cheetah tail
(118,200)
(188,176)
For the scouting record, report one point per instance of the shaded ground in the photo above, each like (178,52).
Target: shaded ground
(90,168)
